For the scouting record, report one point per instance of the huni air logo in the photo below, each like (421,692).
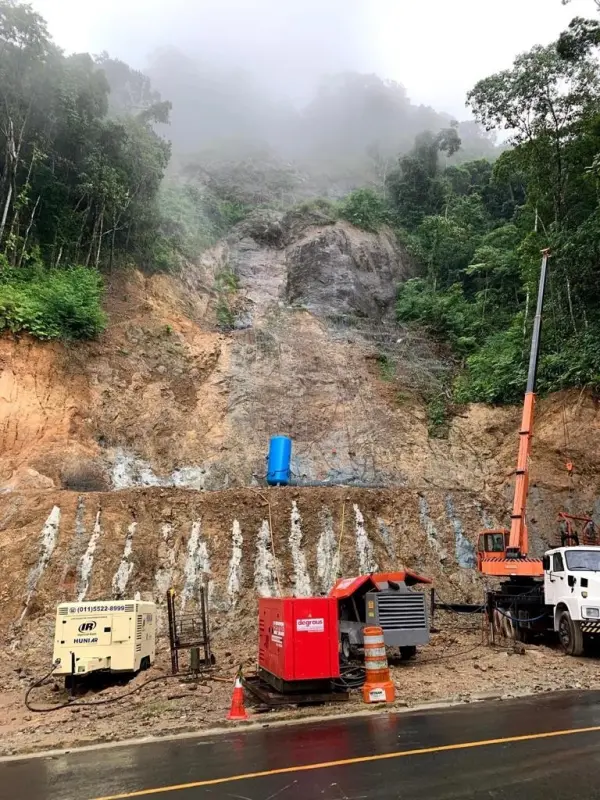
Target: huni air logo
(87,627)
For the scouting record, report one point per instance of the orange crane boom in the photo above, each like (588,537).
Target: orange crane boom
(501,552)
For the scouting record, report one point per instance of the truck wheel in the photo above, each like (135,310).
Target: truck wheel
(570,635)
(408,652)
(345,647)
(145,664)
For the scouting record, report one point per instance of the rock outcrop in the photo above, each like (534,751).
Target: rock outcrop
(341,270)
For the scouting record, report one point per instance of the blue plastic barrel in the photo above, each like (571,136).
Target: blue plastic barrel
(280,456)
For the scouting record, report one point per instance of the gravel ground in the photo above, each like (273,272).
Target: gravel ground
(458,666)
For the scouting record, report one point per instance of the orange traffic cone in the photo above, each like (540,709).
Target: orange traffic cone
(238,711)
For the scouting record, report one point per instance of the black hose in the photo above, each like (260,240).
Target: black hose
(89,703)
(350,678)
(514,619)
(35,686)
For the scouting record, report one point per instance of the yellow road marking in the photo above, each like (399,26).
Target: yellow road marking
(349,761)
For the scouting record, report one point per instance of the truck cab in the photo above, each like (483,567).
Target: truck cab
(572,590)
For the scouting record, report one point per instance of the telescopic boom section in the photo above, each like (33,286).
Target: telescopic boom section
(502,552)
(518,543)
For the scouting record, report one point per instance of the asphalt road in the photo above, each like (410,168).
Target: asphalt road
(541,748)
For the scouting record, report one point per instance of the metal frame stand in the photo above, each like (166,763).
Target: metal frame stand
(189,632)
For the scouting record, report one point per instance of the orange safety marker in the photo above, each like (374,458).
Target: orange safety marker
(378,687)
(238,711)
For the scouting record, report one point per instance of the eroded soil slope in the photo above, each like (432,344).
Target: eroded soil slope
(108,450)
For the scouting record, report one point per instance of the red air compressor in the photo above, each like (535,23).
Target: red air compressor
(298,643)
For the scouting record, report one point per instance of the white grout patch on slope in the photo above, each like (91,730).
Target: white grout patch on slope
(79,517)
(265,577)
(197,566)
(204,575)
(328,559)
(128,471)
(486,520)
(190,570)
(123,573)
(87,561)
(364,548)
(166,560)
(301,579)
(48,543)
(75,549)
(234,578)
(430,530)
(464,550)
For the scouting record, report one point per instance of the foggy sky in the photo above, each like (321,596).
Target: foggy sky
(437,48)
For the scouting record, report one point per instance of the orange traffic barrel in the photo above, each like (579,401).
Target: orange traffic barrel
(378,687)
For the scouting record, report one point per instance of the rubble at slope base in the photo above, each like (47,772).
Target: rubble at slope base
(456,667)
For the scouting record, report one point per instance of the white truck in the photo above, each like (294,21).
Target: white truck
(112,635)
(572,594)
(564,600)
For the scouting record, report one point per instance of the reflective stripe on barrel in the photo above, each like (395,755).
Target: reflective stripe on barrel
(376,664)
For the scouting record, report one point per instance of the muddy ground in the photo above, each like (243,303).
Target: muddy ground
(459,665)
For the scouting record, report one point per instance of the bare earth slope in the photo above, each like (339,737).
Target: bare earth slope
(108,448)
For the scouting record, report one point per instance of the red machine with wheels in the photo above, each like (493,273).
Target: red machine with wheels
(298,643)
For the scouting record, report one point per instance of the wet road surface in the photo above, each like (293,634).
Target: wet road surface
(540,748)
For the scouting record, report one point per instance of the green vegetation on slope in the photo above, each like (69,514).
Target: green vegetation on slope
(78,185)
(477,229)
(51,304)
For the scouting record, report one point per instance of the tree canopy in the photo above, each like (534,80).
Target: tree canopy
(80,168)
(478,229)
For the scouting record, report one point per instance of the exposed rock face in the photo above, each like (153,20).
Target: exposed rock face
(165,400)
(340,270)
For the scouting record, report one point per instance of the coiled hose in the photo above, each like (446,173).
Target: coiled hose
(351,677)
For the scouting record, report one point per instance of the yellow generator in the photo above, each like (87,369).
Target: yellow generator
(117,635)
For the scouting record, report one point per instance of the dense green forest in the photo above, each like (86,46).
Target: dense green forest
(98,172)
(477,229)
(78,186)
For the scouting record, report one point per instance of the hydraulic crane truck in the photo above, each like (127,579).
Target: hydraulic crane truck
(561,591)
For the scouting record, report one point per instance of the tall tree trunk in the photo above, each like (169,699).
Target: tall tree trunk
(13,231)
(28,231)
(81,233)
(112,248)
(558,193)
(5,211)
(570,299)
(4,175)
(100,236)
(92,240)
(9,176)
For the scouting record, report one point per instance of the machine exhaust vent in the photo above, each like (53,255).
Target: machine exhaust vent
(129,607)
(401,611)
(138,648)
(63,612)
(138,627)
